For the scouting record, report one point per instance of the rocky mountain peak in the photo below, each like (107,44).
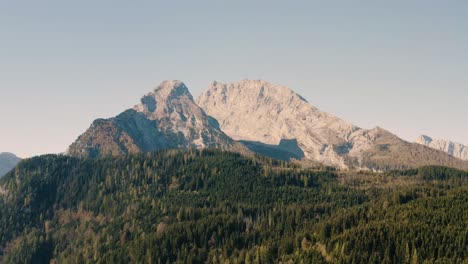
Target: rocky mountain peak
(276,121)
(259,111)
(167,117)
(166,95)
(258,90)
(171,89)
(457,150)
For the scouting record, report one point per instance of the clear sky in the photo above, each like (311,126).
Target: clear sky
(401,65)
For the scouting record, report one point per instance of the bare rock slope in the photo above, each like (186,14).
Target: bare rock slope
(276,121)
(457,150)
(165,118)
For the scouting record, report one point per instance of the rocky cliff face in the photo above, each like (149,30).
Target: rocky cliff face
(165,118)
(7,162)
(454,149)
(264,116)
(257,111)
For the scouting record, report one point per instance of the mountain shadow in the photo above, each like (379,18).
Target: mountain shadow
(286,150)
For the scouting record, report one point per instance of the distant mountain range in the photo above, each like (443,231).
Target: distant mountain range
(251,116)
(7,162)
(457,150)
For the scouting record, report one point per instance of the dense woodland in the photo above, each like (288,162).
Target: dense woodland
(217,207)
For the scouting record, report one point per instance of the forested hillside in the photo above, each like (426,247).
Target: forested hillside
(217,207)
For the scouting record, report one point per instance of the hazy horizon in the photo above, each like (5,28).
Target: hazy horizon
(401,66)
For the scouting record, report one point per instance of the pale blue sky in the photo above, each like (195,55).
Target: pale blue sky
(401,65)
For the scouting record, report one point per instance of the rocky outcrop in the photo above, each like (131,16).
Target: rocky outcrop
(165,118)
(457,150)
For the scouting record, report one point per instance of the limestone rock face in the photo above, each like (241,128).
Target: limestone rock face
(7,162)
(266,116)
(258,111)
(457,150)
(165,118)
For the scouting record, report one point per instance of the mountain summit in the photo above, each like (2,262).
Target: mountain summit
(165,118)
(273,119)
(454,149)
(258,113)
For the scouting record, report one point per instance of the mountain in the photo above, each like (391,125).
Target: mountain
(7,162)
(251,116)
(276,121)
(454,149)
(165,118)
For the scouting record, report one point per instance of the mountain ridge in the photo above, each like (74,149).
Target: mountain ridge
(251,116)
(259,111)
(455,149)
